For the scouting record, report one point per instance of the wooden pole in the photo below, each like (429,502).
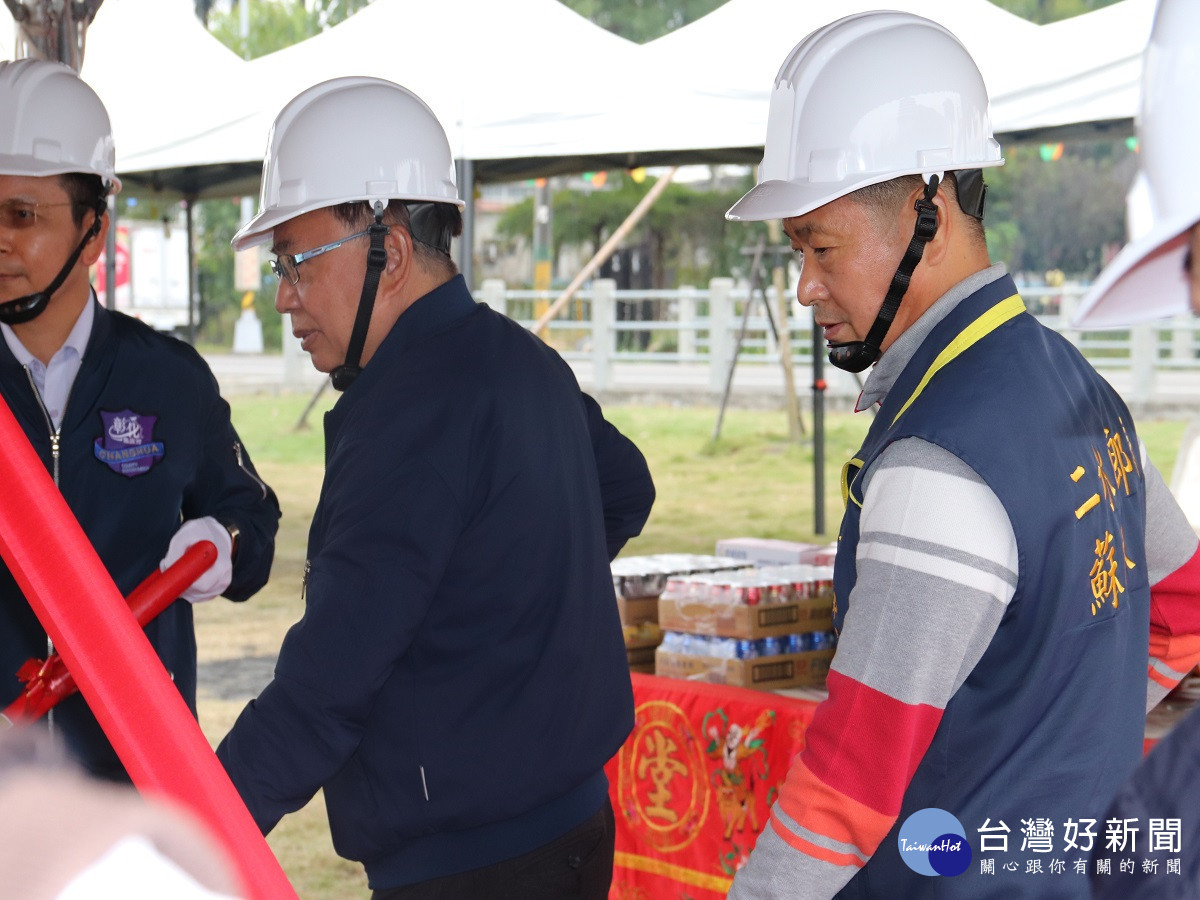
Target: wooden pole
(784,337)
(606,251)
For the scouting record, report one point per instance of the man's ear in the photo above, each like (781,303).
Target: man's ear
(94,247)
(938,246)
(399,248)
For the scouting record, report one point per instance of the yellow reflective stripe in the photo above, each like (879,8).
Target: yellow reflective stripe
(849,470)
(976,331)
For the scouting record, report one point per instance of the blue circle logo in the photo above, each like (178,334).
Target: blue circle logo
(933,842)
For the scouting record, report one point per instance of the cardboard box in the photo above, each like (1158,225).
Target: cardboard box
(764,551)
(637,611)
(640,656)
(774,552)
(644,634)
(740,621)
(788,670)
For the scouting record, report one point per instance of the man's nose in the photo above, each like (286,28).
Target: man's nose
(285,296)
(808,289)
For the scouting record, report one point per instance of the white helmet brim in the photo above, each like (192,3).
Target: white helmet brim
(1144,282)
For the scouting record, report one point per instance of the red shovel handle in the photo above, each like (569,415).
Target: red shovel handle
(48,683)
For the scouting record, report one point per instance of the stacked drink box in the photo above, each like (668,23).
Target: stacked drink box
(638,581)
(765,627)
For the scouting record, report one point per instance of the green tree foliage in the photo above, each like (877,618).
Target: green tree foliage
(1044,11)
(1059,215)
(275,24)
(642,20)
(220,303)
(685,231)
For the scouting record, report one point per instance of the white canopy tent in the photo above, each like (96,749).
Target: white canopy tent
(1075,76)
(724,64)
(1079,75)
(161,75)
(528,87)
(525,79)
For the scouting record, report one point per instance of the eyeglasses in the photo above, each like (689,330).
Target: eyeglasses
(18,215)
(284,265)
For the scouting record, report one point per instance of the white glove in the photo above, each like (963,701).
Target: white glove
(217,577)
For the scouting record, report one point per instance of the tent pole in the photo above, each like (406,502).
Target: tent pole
(466,244)
(191,270)
(110,256)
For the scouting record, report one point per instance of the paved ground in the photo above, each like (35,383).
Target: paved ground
(238,373)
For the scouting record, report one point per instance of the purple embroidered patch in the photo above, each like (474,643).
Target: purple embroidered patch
(127,445)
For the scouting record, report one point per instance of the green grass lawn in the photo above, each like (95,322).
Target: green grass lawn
(753,482)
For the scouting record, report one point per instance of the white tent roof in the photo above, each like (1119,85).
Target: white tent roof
(1084,72)
(8,35)
(528,86)
(728,59)
(1073,76)
(512,80)
(156,68)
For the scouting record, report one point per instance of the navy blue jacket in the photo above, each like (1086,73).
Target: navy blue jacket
(193,465)
(459,678)
(1160,849)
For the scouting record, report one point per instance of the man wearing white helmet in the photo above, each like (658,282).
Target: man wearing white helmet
(1147,280)
(128,422)
(997,570)
(459,678)
(1154,273)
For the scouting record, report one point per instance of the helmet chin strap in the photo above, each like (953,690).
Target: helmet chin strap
(854,356)
(345,374)
(24,309)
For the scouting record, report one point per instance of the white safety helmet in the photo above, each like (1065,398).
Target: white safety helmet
(350,139)
(52,123)
(866,99)
(1146,279)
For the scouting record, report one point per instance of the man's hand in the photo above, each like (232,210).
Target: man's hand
(216,579)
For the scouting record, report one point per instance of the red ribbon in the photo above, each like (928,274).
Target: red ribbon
(48,682)
(142,713)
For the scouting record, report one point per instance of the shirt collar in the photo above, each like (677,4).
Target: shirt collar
(897,356)
(430,314)
(77,339)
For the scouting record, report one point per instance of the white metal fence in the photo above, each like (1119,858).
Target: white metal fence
(691,331)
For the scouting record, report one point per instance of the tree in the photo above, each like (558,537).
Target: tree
(273,24)
(685,231)
(1045,11)
(642,20)
(203,8)
(1061,214)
